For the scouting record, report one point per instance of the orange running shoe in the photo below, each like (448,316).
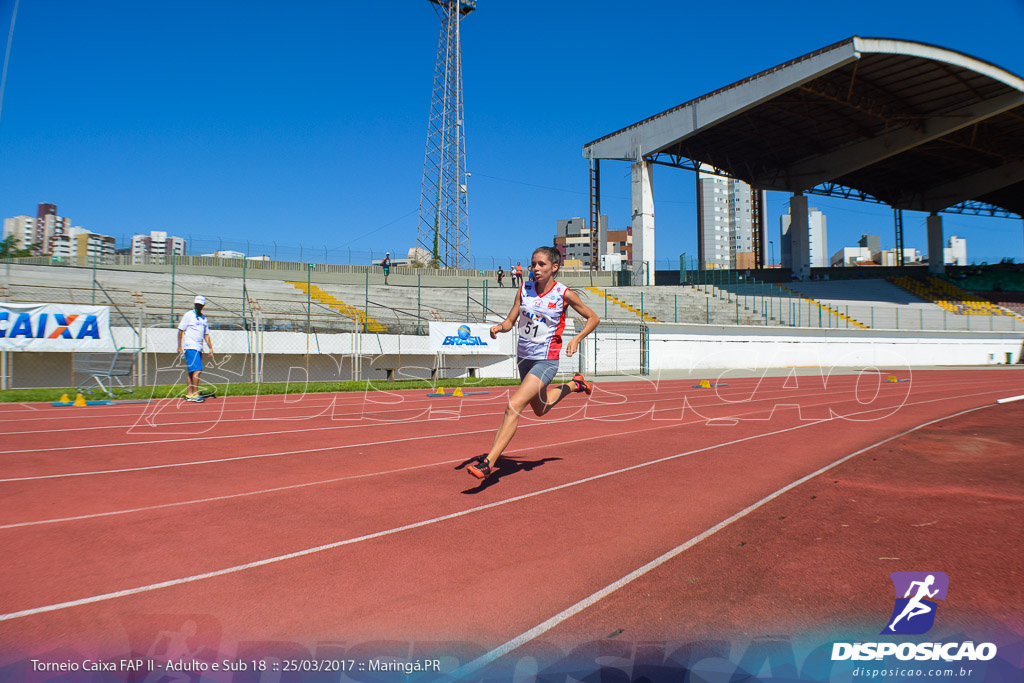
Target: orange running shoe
(582,385)
(481,469)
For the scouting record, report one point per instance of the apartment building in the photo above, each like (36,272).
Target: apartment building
(156,247)
(818,243)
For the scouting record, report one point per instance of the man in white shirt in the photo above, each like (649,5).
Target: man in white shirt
(193,330)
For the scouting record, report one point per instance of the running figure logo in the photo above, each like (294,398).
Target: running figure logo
(915,608)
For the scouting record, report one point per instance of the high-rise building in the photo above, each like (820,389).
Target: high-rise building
(725,222)
(851,256)
(22,228)
(888,257)
(620,242)
(84,248)
(91,247)
(955,253)
(573,241)
(47,231)
(156,247)
(50,227)
(818,243)
(873,243)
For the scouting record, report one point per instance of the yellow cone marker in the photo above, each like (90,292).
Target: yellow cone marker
(440,391)
(457,392)
(892,378)
(705,384)
(64,398)
(79,401)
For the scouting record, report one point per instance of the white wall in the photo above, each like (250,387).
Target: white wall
(672,347)
(701,346)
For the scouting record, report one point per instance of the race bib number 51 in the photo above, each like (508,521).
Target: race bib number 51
(532,328)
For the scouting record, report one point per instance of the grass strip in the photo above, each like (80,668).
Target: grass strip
(250,389)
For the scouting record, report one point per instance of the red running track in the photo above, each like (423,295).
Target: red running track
(646,511)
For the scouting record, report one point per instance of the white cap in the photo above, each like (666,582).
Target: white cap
(201,300)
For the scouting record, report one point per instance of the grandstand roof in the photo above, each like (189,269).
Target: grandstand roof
(916,126)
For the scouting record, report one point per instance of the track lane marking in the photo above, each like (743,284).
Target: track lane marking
(823,392)
(538,423)
(423,523)
(480,662)
(415,402)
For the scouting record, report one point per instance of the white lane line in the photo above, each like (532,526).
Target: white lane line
(242,404)
(545,626)
(408,402)
(225,497)
(334,480)
(242,457)
(377,534)
(428,522)
(1011,399)
(625,390)
(394,407)
(616,416)
(370,422)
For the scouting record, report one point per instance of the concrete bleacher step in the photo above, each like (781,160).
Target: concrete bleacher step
(147,298)
(619,302)
(685,304)
(828,308)
(368,323)
(950,297)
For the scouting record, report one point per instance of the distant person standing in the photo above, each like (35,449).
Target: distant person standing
(193,330)
(386,265)
(519,274)
(501,277)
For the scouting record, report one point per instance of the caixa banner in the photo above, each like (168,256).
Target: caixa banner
(54,327)
(463,338)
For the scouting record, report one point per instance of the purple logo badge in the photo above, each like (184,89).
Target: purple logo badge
(916,595)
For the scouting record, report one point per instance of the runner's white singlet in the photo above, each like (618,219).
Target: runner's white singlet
(541,321)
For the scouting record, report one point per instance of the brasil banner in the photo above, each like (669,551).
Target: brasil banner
(466,338)
(54,327)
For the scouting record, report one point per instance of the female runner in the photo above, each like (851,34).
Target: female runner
(539,310)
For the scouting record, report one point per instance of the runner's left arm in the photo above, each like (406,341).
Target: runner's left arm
(592,321)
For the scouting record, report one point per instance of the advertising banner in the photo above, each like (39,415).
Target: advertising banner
(463,338)
(54,327)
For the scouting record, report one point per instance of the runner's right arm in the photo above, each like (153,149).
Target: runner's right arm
(509,322)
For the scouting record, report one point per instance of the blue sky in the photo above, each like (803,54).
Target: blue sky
(232,122)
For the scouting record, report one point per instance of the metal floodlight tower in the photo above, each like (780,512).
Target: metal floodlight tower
(444,200)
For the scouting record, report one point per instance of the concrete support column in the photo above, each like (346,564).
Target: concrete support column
(643,223)
(800,237)
(936,253)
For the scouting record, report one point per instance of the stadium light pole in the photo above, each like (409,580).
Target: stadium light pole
(771,245)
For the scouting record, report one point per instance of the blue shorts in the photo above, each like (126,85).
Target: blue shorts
(545,369)
(194,360)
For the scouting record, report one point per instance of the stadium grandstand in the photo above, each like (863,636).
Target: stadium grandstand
(349,325)
(902,123)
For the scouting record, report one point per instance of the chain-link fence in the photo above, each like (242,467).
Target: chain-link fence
(281,322)
(315,324)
